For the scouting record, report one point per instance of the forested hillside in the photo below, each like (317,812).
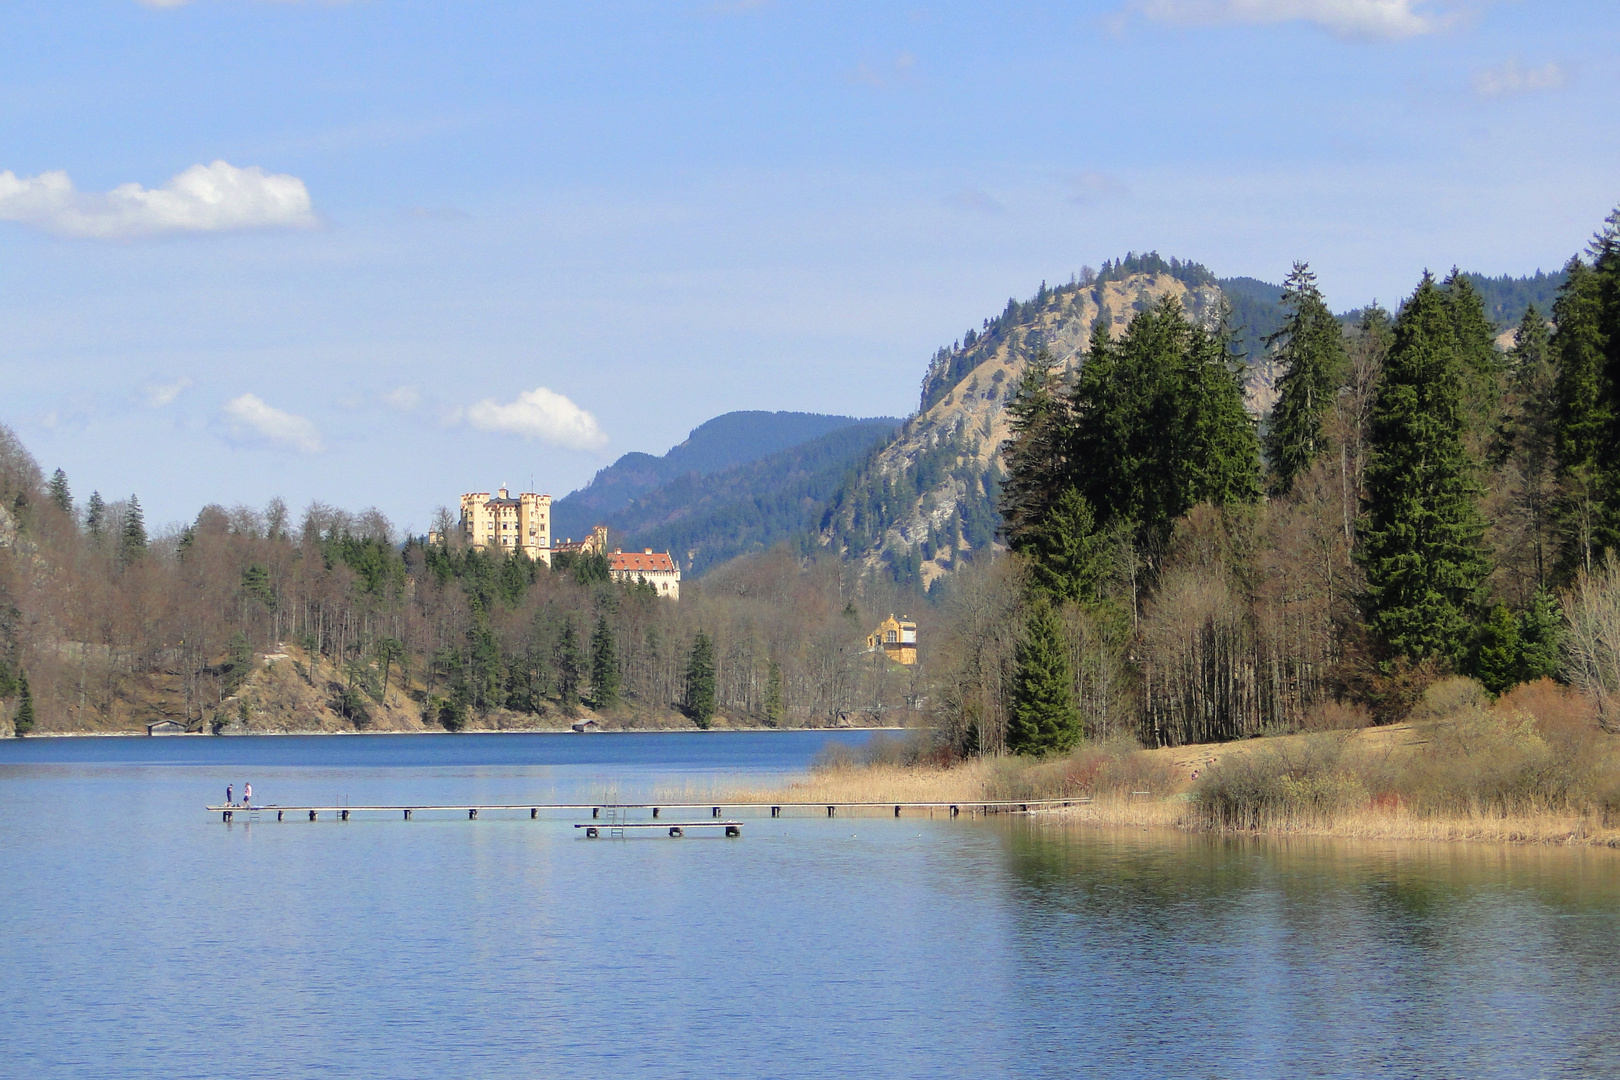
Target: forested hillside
(727,441)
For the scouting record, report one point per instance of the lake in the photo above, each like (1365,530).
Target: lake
(142,937)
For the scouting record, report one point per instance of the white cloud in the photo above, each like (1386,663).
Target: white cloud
(537,414)
(1512,77)
(1381,19)
(161,394)
(249,412)
(204,198)
(403,398)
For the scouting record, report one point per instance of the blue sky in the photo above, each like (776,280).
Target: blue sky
(382,252)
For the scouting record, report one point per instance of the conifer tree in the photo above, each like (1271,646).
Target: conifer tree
(95,515)
(1034,452)
(700,681)
(1312,356)
(1067,553)
(1583,413)
(24,721)
(1525,445)
(132,541)
(1606,270)
(1422,531)
(60,495)
(774,709)
(604,665)
(1476,346)
(569,665)
(1041,717)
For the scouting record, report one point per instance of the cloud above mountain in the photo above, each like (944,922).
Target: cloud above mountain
(537,414)
(205,198)
(251,415)
(1385,20)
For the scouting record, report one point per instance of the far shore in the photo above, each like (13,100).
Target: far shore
(426,731)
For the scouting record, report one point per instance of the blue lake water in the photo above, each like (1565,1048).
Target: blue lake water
(142,937)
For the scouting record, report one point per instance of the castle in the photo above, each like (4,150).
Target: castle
(524,524)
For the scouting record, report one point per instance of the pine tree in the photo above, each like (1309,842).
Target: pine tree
(132,541)
(1067,553)
(1606,271)
(569,665)
(1041,717)
(1480,360)
(700,681)
(604,665)
(1583,414)
(774,710)
(1422,532)
(60,495)
(95,515)
(1037,417)
(24,721)
(1311,353)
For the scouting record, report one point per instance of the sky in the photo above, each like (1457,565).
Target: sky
(381,252)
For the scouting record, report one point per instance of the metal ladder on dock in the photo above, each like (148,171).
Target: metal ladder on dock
(616,818)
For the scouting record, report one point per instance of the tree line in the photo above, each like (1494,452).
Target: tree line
(1418,502)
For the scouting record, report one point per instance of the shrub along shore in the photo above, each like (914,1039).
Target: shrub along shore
(1531,767)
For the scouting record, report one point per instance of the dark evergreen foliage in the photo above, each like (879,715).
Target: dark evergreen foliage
(1422,533)
(700,699)
(23,722)
(604,665)
(60,495)
(1310,350)
(1041,717)
(132,538)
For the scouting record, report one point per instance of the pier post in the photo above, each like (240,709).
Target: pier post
(655,811)
(733,830)
(776,811)
(714,811)
(1023,807)
(534,812)
(592,832)
(832,811)
(345,814)
(407,815)
(896,809)
(472,813)
(227,816)
(955,811)
(596,811)
(312,815)
(278,815)
(675,830)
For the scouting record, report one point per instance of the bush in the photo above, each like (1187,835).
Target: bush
(1306,781)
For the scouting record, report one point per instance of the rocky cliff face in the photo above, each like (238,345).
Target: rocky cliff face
(926,499)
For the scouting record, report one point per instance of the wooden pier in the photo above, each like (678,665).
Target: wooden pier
(616,810)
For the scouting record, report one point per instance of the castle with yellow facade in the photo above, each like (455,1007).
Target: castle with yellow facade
(897,638)
(520,524)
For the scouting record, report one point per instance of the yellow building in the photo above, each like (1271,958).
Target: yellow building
(594,544)
(897,638)
(520,524)
(655,568)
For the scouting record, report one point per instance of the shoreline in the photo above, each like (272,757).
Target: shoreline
(373,734)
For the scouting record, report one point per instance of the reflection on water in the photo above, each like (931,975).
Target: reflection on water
(144,938)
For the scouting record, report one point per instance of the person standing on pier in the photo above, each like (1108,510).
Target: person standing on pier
(229,800)
(247,794)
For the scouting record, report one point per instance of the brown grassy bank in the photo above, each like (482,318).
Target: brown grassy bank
(1534,767)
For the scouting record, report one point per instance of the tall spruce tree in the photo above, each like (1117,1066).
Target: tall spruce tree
(604,665)
(1041,717)
(1068,556)
(774,708)
(700,701)
(1606,271)
(1311,353)
(1033,454)
(23,722)
(1525,446)
(132,540)
(569,665)
(60,495)
(1477,353)
(1422,533)
(95,515)
(1584,412)
(1159,425)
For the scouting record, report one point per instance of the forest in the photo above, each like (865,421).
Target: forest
(1166,568)
(1418,504)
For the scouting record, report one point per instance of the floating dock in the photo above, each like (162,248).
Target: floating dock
(616,810)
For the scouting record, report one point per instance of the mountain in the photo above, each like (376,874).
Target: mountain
(706,520)
(729,440)
(927,498)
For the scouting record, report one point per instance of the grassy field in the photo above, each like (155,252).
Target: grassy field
(1533,767)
